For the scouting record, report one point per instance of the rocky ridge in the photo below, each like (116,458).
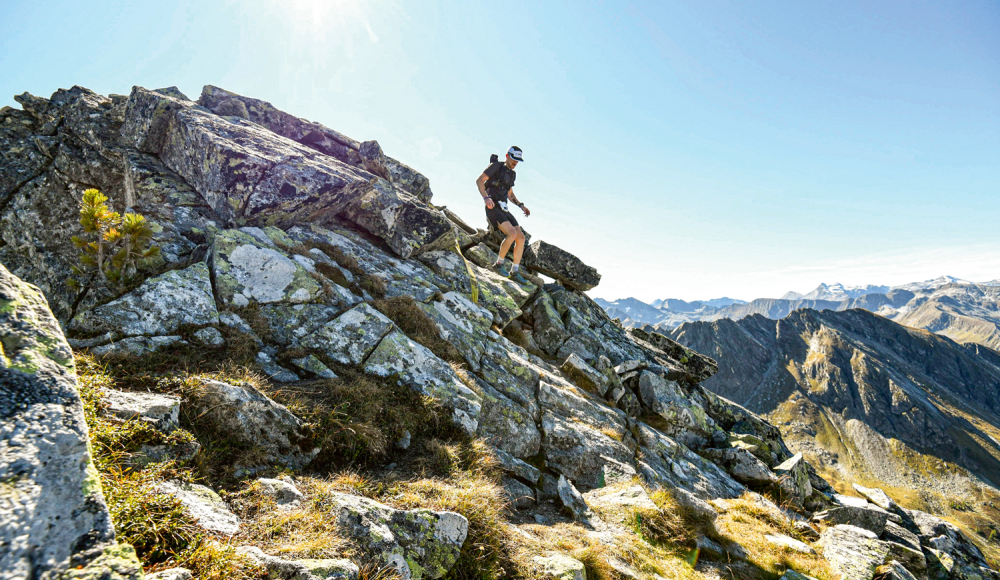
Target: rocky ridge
(270,221)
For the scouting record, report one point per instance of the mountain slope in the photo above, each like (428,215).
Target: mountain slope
(962,312)
(864,396)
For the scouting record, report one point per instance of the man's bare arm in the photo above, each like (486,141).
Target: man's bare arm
(517,202)
(481,184)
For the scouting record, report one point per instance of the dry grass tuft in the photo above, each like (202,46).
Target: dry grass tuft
(414,322)
(747,520)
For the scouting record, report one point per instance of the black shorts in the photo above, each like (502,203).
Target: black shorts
(497,216)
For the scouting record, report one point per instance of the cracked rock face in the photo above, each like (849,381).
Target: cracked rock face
(159,307)
(246,270)
(45,462)
(350,337)
(418,543)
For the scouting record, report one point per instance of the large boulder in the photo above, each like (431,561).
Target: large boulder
(687,420)
(463,323)
(352,336)
(580,452)
(247,174)
(45,462)
(161,306)
(315,136)
(407,225)
(853,552)
(418,543)
(250,417)
(559,264)
(246,269)
(414,365)
(793,475)
(742,465)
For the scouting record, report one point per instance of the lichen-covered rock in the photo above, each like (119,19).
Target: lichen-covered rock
(171,574)
(246,173)
(790,543)
(687,419)
(548,329)
(315,136)
(507,369)
(204,505)
(402,277)
(245,270)
(793,476)
(742,465)
(506,424)
(876,496)
(315,366)
(870,517)
(579,406)
(266,362)
(408,225)
(162,411)
(561,265)
(137,345)
(160,306)
(418,543)
(305,569)
(697,367)
(733,418)
(573,499)
(578,451)
(463,324)
(667,463)
(518,494)
(853,552)
(45,462)
(284,492)
(501,296)
(208,336)
(414,365)
(248,416)
(585,375)
(560,567)
(513,465)
(350,337)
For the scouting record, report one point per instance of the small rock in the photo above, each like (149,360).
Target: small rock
(584,375)
(283,492)
(171,574)
(789,542)
(709,548)
(742,465)
(313,365)
(893,570)
(793,478)
(806,531)
(561,265)
(853,552)
(137,345)
(162,411)
(876,496)
(560,567)
(573,500)
(209,336)
(541,520)
(204,505)
(872,518)
(793,575)
(520,496)
(274,370)
(513,465)
(308,569)
(404,442)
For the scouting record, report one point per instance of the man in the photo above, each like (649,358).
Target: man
(496,187)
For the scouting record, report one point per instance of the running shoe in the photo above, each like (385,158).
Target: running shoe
(517,277)
(502,270)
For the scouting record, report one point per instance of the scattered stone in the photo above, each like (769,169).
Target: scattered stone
(876,496)
(171,574)
(793,477)
(541,520)
(275,371)
(573,500)
(709,548)
(789,542)
(806,530)
(578,451)
(248,416)
(315,366)
(793,575)
(91,342)
(561,265)
(307,569)
(515,466)
(136,346)
(893,570)
(178,452)
(414,365)
(209,336)
(418,543)
(284,492)
(404,442)
(520,495)
(560,567)
(162,411)
(853,552)
(871,517)
(742,465)
(204,505)
(351,337)
(584,375)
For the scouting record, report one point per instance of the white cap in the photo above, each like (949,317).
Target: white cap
(515,153)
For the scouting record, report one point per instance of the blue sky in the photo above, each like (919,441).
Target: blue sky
(686,149)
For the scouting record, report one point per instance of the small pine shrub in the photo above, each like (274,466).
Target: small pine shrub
(113,246)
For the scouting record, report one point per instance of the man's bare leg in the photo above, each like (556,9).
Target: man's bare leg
(511,232)
(519,245)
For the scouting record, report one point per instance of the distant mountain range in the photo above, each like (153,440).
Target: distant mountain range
(869,399)
(962,310)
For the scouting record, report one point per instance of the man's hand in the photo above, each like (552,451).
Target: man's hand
(525,209)
(489,202)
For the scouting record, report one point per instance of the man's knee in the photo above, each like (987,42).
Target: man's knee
(511,235)
(519,235)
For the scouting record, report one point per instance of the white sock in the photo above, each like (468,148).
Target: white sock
(515,268)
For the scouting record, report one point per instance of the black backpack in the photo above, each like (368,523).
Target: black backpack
(495,182)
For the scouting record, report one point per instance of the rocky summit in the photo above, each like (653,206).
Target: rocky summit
(317,375)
